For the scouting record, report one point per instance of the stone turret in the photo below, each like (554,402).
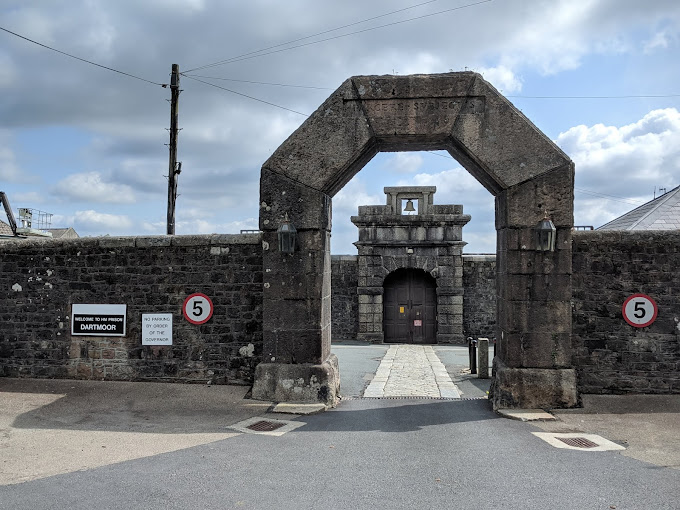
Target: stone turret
(423,237)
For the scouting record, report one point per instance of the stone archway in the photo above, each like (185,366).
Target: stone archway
(502,149)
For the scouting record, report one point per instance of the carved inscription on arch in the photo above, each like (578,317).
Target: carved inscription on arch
(433,115)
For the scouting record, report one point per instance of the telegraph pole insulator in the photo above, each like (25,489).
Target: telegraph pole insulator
(173,168)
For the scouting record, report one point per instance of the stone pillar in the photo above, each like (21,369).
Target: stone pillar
(297,363)
(533,362)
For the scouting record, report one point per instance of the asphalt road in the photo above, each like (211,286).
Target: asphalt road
(365,454)
(388,454)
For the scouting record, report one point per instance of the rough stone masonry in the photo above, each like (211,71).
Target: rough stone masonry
(525,171)
(40,281)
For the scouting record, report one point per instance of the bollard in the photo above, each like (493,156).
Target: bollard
(472,351)
(483,352)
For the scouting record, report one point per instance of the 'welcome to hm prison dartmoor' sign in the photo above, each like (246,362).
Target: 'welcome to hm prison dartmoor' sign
(98,320)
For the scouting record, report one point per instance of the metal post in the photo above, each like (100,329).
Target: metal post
(472,351)
(173,169)
(483,350)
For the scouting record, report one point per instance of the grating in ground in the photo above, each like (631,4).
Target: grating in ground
(413,397)
(265,426)
(578,442)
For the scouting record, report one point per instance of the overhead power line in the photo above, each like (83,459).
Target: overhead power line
(259,82)
(315,35)
(642,96)
(615,198)
(246,95)
(83,60)
(261,53)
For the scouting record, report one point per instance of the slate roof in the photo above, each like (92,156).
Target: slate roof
(5,229)
(662,213)
(63,233)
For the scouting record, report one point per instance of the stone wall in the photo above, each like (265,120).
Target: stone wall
(344,304)
(610,355)
(40,280)
(479,297)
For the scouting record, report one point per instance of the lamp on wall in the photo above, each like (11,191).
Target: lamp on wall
(545,234)
(287,235)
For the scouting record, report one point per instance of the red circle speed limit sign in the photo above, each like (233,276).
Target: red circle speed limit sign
(640,310)
(198,308)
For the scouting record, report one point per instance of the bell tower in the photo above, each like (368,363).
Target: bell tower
(410,232)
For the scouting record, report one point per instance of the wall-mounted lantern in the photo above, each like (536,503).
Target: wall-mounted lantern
(545,234)
(287,235)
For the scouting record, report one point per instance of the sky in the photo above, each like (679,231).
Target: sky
(601,78)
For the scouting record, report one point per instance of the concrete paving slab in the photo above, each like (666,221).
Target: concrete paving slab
(284,426)
(526,414)
(303,409)
(647,425)
(602,444)
(50,427)
(411,370)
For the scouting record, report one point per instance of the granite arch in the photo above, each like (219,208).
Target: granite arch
(524,170)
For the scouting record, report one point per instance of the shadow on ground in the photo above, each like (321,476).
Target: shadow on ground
(123,407)
(398,415)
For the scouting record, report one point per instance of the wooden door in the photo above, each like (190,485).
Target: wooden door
(410,307)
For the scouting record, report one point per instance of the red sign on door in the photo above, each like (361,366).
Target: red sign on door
(418,322)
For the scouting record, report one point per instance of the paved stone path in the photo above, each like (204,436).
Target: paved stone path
(411,371)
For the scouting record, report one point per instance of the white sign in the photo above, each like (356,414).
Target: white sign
(198,308)
(640,310)
(98,320)
(156,329)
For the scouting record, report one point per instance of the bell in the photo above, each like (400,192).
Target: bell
(409,206)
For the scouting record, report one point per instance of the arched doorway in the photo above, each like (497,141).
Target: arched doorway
(526,172)
(410,307)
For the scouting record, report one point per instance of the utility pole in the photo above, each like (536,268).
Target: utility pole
(174,168)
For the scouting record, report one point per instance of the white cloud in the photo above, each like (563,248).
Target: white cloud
(501,77)
(449,183)
(424,62)
(404,162)
(29,198)
(9,171)
(354,194)
(8,71)
(646,152)
(95,119)
(93,187)
(483,242)
(660,40)
(197,225)
(625,162)
(97,223)
(346,204)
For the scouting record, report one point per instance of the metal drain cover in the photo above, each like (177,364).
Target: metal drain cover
(265,426)
(578,442)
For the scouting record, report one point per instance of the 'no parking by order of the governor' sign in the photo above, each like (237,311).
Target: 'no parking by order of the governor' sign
(198,308)
(639,310)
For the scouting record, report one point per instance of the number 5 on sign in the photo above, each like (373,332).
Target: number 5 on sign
(640,310)
(198,308)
